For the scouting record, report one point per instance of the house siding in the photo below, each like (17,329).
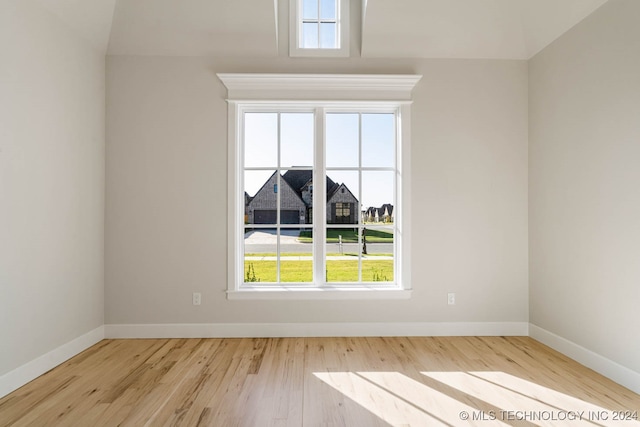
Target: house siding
(340,197)
(266,199)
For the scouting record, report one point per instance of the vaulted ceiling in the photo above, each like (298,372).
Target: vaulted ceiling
(507,29)
(504,29)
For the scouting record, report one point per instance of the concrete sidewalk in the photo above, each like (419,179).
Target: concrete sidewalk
(269,237)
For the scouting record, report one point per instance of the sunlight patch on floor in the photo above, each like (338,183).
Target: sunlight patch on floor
(456,398)
(535,391)
(398,399)
(519,399)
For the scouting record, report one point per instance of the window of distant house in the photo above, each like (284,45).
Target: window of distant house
(316,197)
(343,210)
(319,28)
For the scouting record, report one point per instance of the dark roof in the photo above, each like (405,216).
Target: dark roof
(389,208)
(296,191)
(372,210)
(298,178)
(247,198)
(335,189)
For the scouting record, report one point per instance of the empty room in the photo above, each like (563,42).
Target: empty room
(319,212)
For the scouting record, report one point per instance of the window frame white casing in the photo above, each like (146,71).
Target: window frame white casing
(347,92)
(295,32)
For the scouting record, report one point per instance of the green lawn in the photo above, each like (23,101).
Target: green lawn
(372,271)
(337,271)
(300,254)
(350,235)
(263,254)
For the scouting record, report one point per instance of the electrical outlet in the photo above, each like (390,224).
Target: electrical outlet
(451,298)
(197,298)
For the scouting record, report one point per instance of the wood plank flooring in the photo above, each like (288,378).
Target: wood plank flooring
(320,382)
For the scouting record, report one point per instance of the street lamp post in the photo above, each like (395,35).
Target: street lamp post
(364,240)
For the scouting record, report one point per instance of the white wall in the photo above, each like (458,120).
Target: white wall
(584,198)
(167,182)
(51,185)
(166,189)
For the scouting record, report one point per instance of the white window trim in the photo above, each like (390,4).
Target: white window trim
(295,30)
(247,91)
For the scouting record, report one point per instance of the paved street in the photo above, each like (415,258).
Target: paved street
(265,241)
(372,248)
(309,258)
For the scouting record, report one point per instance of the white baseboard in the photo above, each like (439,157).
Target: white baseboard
(242,330)
(610,369)
(20,376)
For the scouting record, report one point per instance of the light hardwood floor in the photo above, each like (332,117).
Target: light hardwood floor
(320,382)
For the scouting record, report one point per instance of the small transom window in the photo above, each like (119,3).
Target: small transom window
(319,28)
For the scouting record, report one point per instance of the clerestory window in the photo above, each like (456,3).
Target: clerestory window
(304,176)
(319,28)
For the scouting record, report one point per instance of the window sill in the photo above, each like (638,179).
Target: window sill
(314,293)
(299,52)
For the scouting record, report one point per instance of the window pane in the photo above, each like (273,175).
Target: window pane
(342,140)
(343,205)
(296,196)
(328,35)
(342,255)
(378,196)
(296,139)
(377,264)
(260,201)
(260,139)
(296,255)
(310,9)
(328,9)
(260,247)
(310,35)
(378,140)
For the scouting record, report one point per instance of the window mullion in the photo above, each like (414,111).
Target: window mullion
(319,200)
(278,203)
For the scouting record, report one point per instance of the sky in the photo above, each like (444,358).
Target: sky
(322,33)
(377,141)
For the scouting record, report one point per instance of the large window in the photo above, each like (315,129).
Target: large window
(355,162)
(316,195)
(319,28)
